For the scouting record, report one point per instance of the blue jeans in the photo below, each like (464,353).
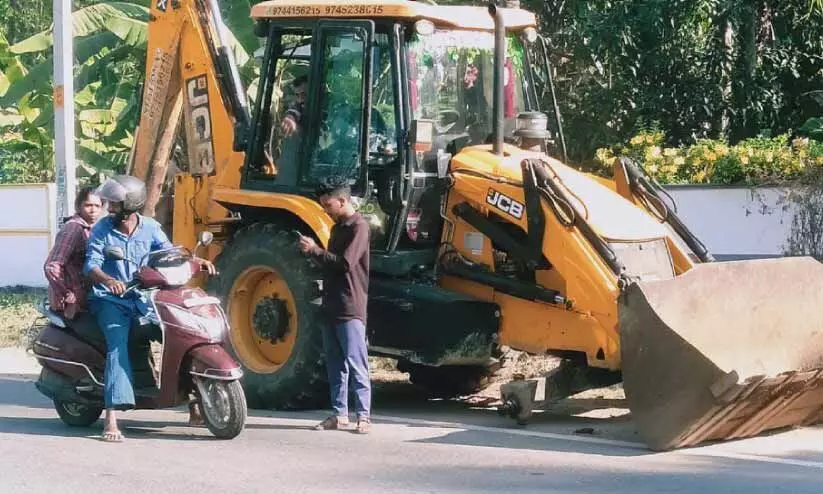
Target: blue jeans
(115,320)
(347,360)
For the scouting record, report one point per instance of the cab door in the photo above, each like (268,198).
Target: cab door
(338,105)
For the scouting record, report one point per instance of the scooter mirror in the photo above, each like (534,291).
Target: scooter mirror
(114,253)
(205,238)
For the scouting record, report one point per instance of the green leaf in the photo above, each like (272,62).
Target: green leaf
(100,158)
(95,44)
(93,69)
(15,70)
(126,20)
(46,117)
(40,77)
(39,42)
(97,116)
(236,17)
(132,32)
(20,145)
(813,128)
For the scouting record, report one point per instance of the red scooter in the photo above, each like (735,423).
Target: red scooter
(175,354)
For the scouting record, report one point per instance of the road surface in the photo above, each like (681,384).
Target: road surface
(416,446)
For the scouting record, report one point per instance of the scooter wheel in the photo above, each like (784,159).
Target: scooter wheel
(77,414)
(223,407)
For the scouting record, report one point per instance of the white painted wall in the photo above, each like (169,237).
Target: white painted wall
(736,221)
(27,232)
(733,222)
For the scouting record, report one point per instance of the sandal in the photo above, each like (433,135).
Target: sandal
(112,436)
(363,426)
(332,423)
(195,417)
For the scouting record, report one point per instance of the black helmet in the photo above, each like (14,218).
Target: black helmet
(131,191)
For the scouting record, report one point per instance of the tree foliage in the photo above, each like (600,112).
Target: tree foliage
(693,68)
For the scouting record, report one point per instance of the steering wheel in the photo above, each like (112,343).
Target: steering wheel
(446,119)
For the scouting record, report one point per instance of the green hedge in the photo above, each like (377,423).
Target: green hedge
(757,161)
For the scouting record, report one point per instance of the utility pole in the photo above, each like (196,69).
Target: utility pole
(64,164)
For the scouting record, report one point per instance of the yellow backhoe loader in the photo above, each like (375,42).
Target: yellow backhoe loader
(482,238)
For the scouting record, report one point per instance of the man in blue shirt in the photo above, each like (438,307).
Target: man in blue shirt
(137,236)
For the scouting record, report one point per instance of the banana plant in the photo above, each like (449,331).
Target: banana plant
(109,55)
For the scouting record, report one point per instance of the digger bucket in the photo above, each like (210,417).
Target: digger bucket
(726,350)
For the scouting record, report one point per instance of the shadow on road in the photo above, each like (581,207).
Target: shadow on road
(19,390)
(53,426)
(472,422)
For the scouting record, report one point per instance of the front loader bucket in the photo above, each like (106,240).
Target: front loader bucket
(726,350)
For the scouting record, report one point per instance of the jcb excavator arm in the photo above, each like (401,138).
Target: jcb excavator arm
(192,79)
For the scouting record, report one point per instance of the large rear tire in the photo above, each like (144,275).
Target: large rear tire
(267,287)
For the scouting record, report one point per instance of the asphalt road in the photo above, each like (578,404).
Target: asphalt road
(415,446)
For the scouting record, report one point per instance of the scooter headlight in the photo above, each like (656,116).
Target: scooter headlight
(207,321)
(176,275)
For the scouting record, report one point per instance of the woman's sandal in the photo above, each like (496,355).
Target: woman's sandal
(112,436)
(195,416)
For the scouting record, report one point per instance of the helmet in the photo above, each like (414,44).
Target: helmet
(131,191)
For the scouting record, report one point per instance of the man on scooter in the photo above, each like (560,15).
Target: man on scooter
(137,236)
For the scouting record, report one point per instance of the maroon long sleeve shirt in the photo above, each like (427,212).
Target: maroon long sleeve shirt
(346,270)
(64,266)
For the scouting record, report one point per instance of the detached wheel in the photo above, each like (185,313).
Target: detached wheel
(451,381)
(267,285)
(224,407)
(76,414)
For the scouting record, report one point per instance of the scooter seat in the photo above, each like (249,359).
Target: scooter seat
(85,326)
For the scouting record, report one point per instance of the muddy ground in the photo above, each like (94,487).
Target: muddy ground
(391,385)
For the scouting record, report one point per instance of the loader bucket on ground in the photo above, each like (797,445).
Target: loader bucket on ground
(726,350)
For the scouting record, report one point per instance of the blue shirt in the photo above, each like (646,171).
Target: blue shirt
(147,237)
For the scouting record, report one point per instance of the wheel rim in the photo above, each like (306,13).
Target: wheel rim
(263,317)
(216,404)
(74,409)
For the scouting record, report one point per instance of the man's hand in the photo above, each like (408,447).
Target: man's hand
(70,305)
(115,286)
(205,263)
(288,126)
(70,310)
(306,243)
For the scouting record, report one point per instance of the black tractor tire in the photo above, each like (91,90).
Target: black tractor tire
(235,409)
(76,414)
(300,382)
(452,381)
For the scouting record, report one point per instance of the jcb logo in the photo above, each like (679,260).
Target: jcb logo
(505,203)
(199,123)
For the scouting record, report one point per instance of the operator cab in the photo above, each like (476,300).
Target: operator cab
(371,86)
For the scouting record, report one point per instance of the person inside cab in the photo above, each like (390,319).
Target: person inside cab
(64,265)
(116,312)
(294,115)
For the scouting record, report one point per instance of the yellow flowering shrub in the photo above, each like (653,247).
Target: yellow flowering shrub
(751,162)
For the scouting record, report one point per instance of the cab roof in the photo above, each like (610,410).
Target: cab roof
(464,17)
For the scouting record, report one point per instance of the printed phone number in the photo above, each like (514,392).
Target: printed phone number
(327,10)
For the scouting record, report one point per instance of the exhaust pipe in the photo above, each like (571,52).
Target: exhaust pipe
(499,60)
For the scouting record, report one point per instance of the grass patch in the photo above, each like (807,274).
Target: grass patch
(17,312)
